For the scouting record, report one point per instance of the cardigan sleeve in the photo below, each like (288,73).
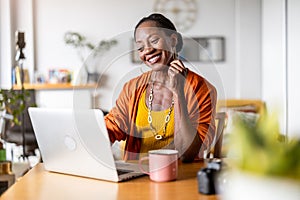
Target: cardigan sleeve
(117,119)
(121,119)
(201,99)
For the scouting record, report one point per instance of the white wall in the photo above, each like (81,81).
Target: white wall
(281,47)
(274,58)
(248,49)
(101,19)
(15,15)
(5,44)
(236,20)
(261,54)
(293,69)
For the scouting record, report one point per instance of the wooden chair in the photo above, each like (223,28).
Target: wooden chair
(244,105)
(221,121)
(250,109)
(216,150)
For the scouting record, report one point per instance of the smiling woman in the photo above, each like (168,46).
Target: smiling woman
(168,106)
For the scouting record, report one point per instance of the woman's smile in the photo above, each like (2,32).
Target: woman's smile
(154,59)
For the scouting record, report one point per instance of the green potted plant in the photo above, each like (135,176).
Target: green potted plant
(13,103)
(17,126)
(86,48)
(265,164)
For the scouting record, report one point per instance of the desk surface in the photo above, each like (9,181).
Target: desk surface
(41,184)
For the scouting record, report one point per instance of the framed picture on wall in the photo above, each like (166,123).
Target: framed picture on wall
(203,49)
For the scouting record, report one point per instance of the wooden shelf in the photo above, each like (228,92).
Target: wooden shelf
(59,86)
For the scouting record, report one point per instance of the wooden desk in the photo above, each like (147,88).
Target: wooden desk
(39,184)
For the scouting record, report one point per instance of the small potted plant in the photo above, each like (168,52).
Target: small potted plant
(85,48)
(265,164)
(13,103)
(14,118)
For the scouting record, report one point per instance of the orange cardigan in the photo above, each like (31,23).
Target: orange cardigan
(201,99)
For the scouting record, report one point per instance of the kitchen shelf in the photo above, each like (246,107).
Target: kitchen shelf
(58,86)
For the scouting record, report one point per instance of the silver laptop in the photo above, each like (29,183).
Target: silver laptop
(76,142)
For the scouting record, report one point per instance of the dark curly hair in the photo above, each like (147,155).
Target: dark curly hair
(163,22)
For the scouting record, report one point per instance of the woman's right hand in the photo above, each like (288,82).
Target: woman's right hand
(177,73)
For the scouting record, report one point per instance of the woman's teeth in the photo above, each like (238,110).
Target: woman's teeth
(153,59)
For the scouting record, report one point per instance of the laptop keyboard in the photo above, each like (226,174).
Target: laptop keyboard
(122,171)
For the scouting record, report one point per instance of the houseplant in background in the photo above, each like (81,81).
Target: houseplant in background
(12,102)
(265,164)
(86,48)
(12,106)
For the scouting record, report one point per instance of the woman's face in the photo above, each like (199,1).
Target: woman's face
(154,46)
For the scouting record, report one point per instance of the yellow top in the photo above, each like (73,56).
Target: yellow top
(158,122)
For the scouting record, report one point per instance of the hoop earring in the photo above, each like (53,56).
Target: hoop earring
(174,53)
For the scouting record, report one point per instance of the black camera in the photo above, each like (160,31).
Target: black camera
(207,176)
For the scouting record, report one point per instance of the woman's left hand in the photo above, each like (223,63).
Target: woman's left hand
(177,73)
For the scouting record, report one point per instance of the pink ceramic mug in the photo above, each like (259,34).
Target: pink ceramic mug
(163,165)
